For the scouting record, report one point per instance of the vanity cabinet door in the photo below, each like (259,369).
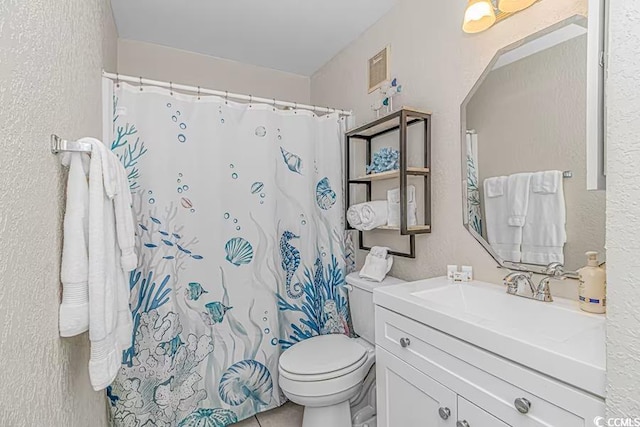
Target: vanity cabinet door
(470,415)
(408,398)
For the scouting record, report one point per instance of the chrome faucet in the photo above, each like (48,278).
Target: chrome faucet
(542,292)
(512,282)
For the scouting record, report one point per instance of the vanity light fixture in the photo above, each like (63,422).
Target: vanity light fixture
(511,6)
(478,16)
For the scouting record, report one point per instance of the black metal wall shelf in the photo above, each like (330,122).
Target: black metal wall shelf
(398,121)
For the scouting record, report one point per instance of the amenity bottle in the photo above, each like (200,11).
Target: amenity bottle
(593,285)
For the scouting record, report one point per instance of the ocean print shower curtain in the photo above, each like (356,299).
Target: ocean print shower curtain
(240,239)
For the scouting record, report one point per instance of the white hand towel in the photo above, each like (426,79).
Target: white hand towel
(495,186)
(377,264)
(367,216)
(74,309)
(518,198)
(504,239)
(110,324)
(124,216)
(544,234)
(546,181)
(393,198)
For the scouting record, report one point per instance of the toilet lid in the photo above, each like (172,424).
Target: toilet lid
(322,354)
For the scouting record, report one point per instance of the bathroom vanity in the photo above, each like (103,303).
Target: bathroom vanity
(470,355)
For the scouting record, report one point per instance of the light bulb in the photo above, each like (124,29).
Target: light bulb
(511,6)
(478,16)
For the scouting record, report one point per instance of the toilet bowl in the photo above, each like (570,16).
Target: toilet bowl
(329,374)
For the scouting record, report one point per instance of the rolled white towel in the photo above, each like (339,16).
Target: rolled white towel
(367,216)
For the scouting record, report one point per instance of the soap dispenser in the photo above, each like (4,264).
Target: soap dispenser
(593,285)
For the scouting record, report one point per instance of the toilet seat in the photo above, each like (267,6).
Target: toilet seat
(323,358)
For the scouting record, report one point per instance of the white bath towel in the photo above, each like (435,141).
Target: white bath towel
(503,238)
(377,264)
(393,199)
(368,215)
(128,260)
(518,198)
(544,233)
(74,309)
(109,320)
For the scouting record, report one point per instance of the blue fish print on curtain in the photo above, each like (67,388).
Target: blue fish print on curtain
(195,291)
(215,312)
(229,274)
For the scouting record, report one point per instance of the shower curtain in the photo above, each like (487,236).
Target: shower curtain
(473,190)
(242,252)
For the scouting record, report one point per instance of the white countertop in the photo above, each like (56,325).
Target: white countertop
(556,338)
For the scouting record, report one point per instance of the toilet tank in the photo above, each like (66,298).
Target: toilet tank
(361,304)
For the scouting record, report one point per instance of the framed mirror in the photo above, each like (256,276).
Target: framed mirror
(524,154)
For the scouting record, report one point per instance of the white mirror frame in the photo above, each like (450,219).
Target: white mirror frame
(596,46)
(599,106)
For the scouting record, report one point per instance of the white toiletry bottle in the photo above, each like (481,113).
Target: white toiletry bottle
(593,285)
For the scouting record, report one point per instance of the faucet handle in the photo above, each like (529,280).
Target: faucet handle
(555,269)
(543,292)
(512,280)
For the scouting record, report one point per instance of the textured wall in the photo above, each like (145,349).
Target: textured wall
(51,56)
(623,210)
(168,64)
(437,64)
(531,115)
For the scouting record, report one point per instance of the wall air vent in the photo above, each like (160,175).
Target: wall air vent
(379,69)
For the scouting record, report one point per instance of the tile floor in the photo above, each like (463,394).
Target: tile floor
(288,415)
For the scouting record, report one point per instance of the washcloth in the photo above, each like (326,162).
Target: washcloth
(367,216)
(544,233)
(495,186)
(377,264)
(518,198)
(74,309)
(393,199)
(504,239)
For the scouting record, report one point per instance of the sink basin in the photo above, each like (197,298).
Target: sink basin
(511,314)
(555,338)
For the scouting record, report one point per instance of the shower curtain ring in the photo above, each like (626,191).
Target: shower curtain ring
(274,103)
(250,100)
(117,79)
(198,92)
(226,97)
(171,88)
(140,83)
(295,108)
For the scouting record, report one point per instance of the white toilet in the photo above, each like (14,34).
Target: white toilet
(332,375)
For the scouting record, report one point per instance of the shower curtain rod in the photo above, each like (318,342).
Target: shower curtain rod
(225,94)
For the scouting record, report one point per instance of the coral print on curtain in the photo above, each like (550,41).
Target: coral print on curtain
(238,210)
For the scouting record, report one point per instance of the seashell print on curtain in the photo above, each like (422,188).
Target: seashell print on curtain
(242,252)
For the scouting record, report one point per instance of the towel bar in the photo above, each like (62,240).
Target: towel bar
(59,145)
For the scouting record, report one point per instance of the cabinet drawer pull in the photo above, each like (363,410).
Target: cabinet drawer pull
(445,413)
(522,405)
(463,423)
(405,342)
